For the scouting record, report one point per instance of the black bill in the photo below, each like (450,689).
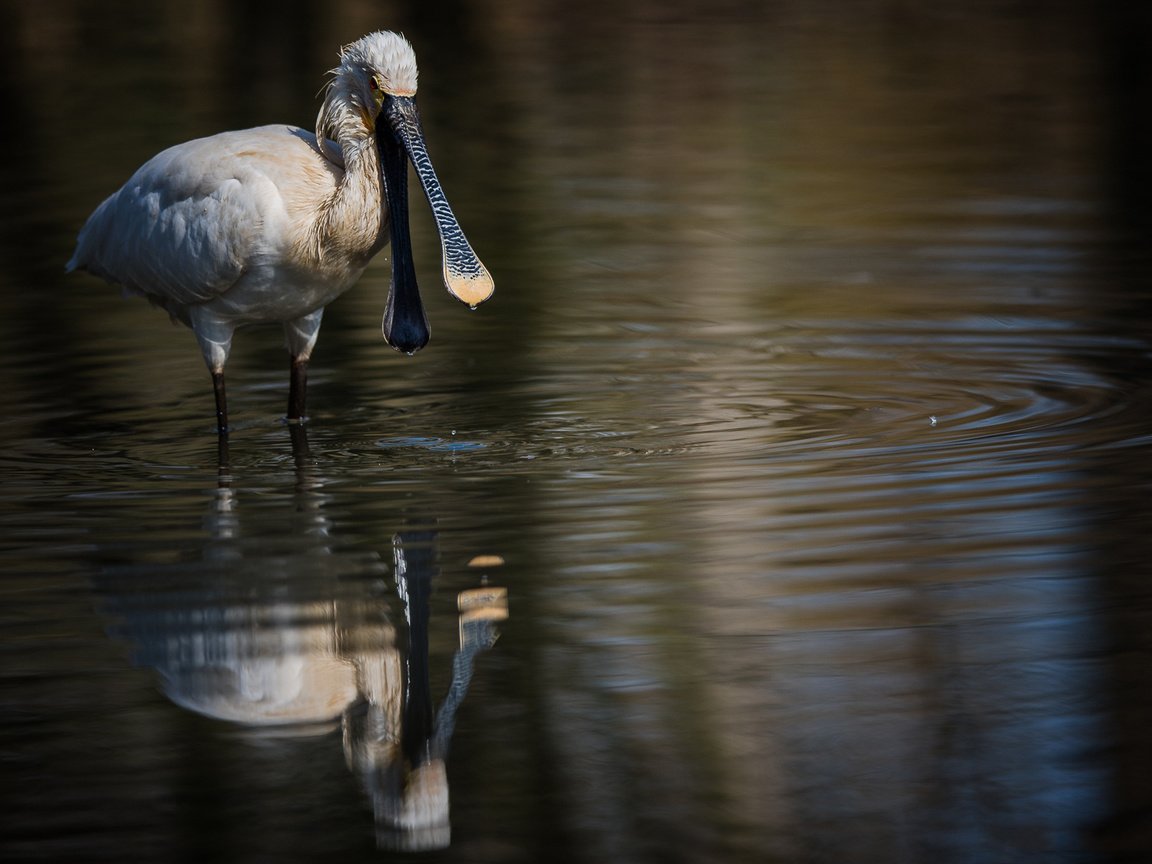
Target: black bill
(405,324)
(399,135)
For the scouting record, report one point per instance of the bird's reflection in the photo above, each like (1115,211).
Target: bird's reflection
(291,635)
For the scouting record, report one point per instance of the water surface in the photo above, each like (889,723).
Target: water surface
(788,502)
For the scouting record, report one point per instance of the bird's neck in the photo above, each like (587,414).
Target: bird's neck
(354,221)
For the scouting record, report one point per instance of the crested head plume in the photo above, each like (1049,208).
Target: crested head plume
(388,57)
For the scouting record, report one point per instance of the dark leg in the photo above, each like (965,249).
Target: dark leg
(221,402)
(297,389)
(222,462)
(301,454)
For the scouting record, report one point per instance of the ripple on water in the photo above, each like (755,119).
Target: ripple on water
(431,444)
(942,391)
(961,392)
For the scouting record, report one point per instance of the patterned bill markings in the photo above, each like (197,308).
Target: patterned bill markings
(465,277)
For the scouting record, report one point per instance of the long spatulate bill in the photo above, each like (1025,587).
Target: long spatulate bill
(465,277)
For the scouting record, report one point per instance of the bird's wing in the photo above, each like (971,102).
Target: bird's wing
(189,222)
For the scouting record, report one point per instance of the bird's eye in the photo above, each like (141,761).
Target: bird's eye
(374,84)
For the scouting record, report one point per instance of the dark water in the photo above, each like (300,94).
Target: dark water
(789,501)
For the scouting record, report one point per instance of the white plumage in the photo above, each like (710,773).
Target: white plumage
(265,225)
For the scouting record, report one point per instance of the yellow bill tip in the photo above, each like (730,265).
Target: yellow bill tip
(486,561)
(472,289)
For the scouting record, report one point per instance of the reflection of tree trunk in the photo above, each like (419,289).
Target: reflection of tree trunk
(1122,506)
(1128,77)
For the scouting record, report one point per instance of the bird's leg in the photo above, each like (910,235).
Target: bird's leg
(300,338)
(215,337)
(221,402)
(297,389)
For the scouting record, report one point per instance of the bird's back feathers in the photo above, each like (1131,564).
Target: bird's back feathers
(187,224)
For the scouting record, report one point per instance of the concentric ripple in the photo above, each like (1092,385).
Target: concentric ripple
(981,388)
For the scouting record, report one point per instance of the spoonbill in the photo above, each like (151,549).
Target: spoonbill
(270,225)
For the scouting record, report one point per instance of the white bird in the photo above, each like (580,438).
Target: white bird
(272,224)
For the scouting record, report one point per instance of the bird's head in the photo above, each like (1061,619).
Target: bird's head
(372,68)
(373,91)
